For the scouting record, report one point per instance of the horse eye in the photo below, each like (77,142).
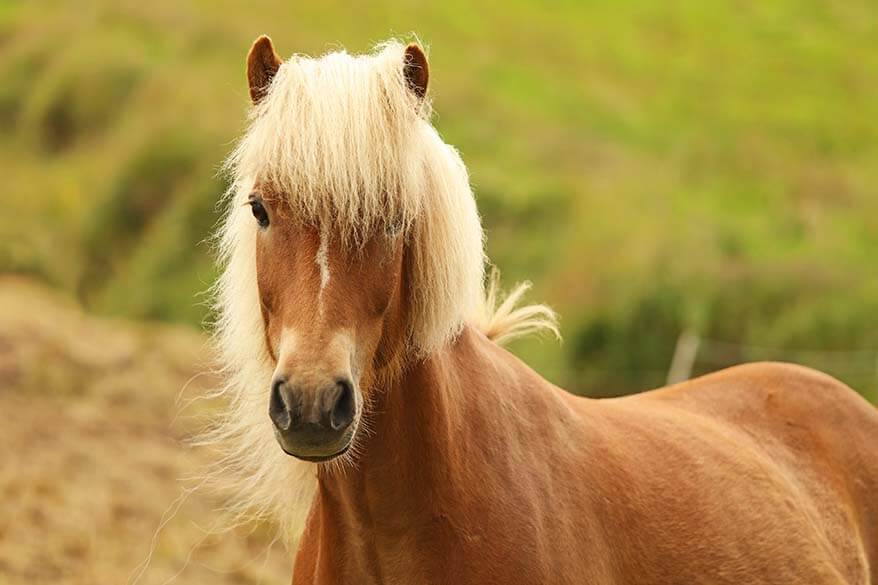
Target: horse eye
(259,213)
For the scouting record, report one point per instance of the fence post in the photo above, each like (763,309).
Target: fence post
(684,357)
(875,388)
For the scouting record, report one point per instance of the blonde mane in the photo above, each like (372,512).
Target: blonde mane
(352,148)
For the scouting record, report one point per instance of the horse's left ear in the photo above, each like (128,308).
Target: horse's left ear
(416,70)
(262,64)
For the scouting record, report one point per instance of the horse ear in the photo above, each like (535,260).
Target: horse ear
(262,63)
(416,70)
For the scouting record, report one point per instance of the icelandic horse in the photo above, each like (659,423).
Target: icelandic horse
(374,415)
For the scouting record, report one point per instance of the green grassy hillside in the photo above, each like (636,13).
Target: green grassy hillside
(651,166)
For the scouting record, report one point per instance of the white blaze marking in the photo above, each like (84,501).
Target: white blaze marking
(288,340)
(322,260)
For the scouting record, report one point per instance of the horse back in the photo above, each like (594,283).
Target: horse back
(792,442)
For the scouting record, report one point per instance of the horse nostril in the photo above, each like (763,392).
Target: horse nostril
(278,410)
(342,412)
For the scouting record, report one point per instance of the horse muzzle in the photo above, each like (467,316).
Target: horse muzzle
(314,424)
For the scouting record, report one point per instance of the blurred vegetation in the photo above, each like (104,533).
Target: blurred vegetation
(93,464)
(653,167)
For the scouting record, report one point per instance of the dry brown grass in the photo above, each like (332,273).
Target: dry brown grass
(93,456)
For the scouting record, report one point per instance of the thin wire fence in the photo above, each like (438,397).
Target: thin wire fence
(856,367)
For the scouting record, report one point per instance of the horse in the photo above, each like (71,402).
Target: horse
(375,416)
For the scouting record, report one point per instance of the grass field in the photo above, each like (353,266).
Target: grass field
(652,167)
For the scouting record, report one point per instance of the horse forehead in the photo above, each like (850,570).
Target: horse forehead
(334,256)
(307,246)
(323,265)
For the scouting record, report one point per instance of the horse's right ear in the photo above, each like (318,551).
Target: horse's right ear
(415,70)
(262,64)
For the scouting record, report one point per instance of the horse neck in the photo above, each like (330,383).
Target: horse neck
(420,420)
(451,430)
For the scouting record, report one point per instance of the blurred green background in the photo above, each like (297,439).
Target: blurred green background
(654,167)
(651,166)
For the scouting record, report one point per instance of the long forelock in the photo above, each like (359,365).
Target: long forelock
(341,138)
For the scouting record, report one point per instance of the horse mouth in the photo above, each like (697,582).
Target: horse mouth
(314,454)
(319,458)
